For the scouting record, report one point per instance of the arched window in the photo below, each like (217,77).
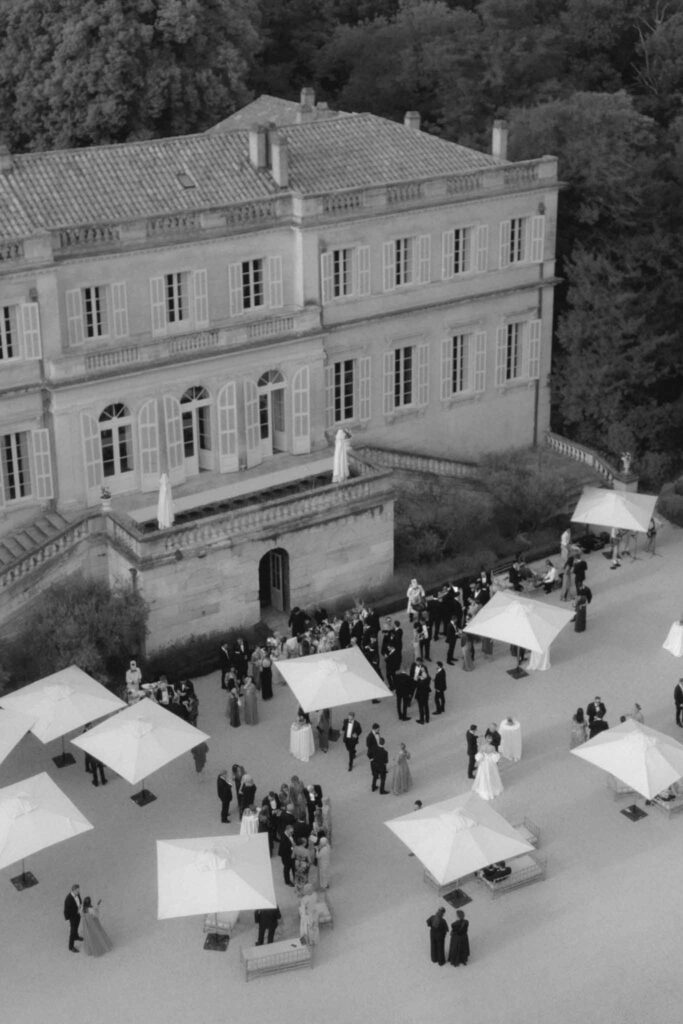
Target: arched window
(273,377)
(116,440)
(195,406)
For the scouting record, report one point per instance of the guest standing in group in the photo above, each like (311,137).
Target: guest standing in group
(266,678)
(73,904)
(323,729)
(597,725)
(286,853)
(580,607)
(250,703)
(452,632)
(379,763)
(459,949)
(421,681)
(96,942)
(595,708)
(678,702)
(309,930)
(224,790)
(404,688)
(579,733)
(439,689)
(438,930)
(401,781)
(267,921)
(351,730)
(234,701)
(472,738)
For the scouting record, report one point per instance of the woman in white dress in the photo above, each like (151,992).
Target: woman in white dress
(487,782)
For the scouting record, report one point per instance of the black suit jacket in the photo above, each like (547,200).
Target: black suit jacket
(286,848)
(472,742)
(380,758)
(72,910)
(357,730)
(405,687)
(440,680)
(678,695)
(371,743)
(593,710)
(344,634)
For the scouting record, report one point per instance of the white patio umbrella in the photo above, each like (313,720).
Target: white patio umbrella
(62,702)
(12,727)
(340,462)
(455,837)
(646,760)
(336,677)
(165,513)
(521,621)
(139,740)
(624,510)
(35,814)
(213,875)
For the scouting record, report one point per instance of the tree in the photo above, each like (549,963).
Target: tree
(82,72)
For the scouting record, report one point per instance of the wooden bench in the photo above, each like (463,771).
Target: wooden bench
(528,868)
(275,957)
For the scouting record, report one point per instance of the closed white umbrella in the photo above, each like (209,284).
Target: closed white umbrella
(455,837)
(521,621)
(139,740)
(12,727)
(646,760)
(623,510)
(35,814)
(340,462)
(331,679)
(165,513)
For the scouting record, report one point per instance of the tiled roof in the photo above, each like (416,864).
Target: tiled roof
(101,184)
(270,109)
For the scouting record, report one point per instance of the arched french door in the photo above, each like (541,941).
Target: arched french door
(273,574)
(195,406)
(271,397)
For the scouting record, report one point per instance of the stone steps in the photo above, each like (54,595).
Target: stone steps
(29,538)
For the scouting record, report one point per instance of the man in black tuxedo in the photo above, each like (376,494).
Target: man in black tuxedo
(380,762)
(594,709)
(224,790)
(286,852)
(439,689)
(72,913)
(345,633)
(266,920)
(224,663)
(404,688)
(678,701)
(351,730)
(371,740)
(472,738)
(452,631)
(239,658)
(421,681)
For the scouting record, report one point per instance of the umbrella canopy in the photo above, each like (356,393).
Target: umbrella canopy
(140,739)
(12,727)
(66,700)
(336,677)
(621,509)
(165,513)
(35,814)
(645,759)
(340,463)
(213,875)
(458,836)
(521,621)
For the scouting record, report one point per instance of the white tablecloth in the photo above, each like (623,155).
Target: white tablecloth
(249,824)
(539,662)
(674,640)
(301,742)
(510,740)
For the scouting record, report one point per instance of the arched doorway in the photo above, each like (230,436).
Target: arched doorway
(271,399)
(273,579)
(195,406)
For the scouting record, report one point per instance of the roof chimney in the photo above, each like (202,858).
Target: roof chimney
(306,111)
(412,119)
(308,97)
(279,159)
(5,159)
(257,146)
(499,139)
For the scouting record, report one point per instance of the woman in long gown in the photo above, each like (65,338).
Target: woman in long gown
(250,703)
(303,859)
(467,652)
(324,730)
(266,679)
(402,780)
(327,817)
(579,733)
(459,949)
(309,931)
(487,782)
(580,606)
(234,705)
(323,860)
(96,942)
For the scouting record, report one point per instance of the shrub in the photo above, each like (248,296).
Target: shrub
(436,518)
(525,493)
(197,655)
(670,504)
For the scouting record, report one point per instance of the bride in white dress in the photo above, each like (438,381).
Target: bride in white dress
(487,783)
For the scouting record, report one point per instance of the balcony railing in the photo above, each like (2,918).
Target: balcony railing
(580,453)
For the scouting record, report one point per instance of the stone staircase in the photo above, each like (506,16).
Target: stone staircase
(29,538)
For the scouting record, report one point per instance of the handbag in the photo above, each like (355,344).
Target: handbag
(334,735)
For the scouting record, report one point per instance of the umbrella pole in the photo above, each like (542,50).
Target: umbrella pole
(25,880)
(144,797)
(63,760)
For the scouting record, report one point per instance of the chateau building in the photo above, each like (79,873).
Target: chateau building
(216,306)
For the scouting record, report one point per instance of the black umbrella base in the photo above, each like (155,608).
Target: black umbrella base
(64,760)
(216,942)
(143,798)
(457,898)
(633,812)
(24,881)
(517,673)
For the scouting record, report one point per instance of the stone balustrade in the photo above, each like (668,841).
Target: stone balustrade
(390,458)
(580,453)
(61,543)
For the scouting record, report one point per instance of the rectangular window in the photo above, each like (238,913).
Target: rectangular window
(403,376)
(117,449)
(460,366)
(342,275)
(518,233)
(403,261)
(343,390)
(462,250)
(345,272)
(95,312)
(252,284)
(177,298)
(513,351)
(14,465)
(9,342)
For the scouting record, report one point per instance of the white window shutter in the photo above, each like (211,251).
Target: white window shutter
(301,412)
(74,317)
(534,328)
(2,492)
(175,449)
(537,239)
(158,303)
(478,362)
(446,369)
(148,440)
(92,454)
(388,266)
(235,289)
(482,242)
(227,428)
(200,296)
(275,298)
(42,464)
(364,399)
(329,396)
(326,276)
(388,404)
(505,243)
(424,248)
(30,330)
(447,255)
(119,309)
(423,374)
(252,426)
(363,270)
(501,355)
